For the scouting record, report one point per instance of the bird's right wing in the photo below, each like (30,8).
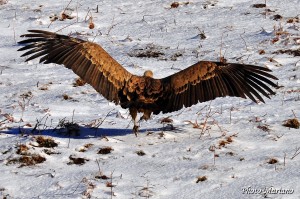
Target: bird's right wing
(88,60)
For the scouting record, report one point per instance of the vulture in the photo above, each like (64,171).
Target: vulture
(203,81)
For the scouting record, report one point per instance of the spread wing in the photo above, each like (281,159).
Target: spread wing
(88,60)
(206,81)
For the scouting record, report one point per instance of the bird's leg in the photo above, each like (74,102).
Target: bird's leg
(135,126)
(133,113)
(146,115)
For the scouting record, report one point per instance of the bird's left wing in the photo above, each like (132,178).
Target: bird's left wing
(88,60)
(207,80)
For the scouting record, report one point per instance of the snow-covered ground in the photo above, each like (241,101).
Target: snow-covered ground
(226,148)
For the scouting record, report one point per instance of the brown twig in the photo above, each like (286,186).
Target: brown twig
(244,40)
(65,26)
(294,114)
(221,47)
(67,6)
(297,152)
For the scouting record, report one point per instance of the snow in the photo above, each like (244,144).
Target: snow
(233,149)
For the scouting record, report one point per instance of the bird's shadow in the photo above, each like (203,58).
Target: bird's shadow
(82,133)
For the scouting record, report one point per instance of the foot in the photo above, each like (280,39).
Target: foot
(135,129)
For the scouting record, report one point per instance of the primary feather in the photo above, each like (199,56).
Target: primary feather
(203,81)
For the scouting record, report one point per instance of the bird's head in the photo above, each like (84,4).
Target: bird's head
(148,73)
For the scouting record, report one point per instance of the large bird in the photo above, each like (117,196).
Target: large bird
(203,81)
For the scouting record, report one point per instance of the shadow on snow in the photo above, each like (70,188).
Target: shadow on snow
(83,133)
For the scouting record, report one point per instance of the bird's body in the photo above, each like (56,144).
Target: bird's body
(200,82)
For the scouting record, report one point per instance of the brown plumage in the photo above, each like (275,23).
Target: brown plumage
(200,82)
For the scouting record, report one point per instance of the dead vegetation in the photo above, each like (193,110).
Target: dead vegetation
(5,119)
(277,17)
(293,20)
(105,150)
(292,123)
(208,4)
(149,51)
(50,152)
(25,157)
(91,23)
(2,2)
(146,191)
(22,149)
(224,142)
(208,121)
(174,5)
(264,127)
(201,179)
(100,174)
(259,5)
(294,52)
(46,142)
(24,102)
(71,13)
(102,177)
(76,160)
(44,88)
(167,123)
(27,160)
(86,147)
(261,52)
(272,161)
(140,153)
(156,51)
(69,128)
(66,97)
(177,4)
